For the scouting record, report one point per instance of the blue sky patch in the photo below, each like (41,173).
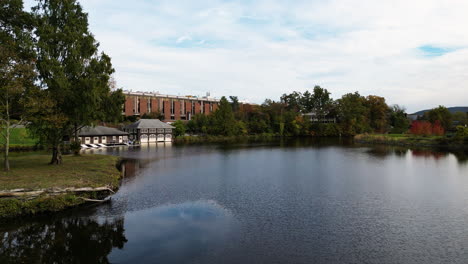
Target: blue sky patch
(434,51)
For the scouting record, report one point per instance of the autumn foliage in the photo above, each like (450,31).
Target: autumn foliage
(425,128)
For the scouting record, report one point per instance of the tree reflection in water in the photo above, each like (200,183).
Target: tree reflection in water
(66,240)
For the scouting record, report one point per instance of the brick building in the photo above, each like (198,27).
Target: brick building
(172,107)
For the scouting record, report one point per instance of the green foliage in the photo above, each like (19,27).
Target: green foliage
(325,130)
(223,122)
(198,124)
(398,120)
(16,66)
(131,119)
(461,134)
(377,113)
(42,204)
(152,115)
(441,114)
(293,101)
(234,103)
(179,128)
(353,114)
(75,147)
(110,109)
(460,118)
(74,76)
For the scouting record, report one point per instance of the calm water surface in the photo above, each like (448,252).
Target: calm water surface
(277,202)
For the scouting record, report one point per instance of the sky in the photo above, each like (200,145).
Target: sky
(413,53)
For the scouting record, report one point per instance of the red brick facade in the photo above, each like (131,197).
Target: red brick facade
(129,106)
(177,110)
(167,109)
(197,108)
(143,106)
(173,108)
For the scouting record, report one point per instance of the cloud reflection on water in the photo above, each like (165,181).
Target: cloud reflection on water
(175,232)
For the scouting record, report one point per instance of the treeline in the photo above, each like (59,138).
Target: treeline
(301,114)
(52,74)
(315,113)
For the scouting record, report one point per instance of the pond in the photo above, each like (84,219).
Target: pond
(294,201)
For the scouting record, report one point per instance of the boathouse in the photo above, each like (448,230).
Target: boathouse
(150,130)
(102,135)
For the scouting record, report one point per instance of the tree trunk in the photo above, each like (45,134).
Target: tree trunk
(7,138)
(76,148)
(56,156)
(7,148)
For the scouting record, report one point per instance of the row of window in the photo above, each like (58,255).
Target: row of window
(162,102)
(154,130)
(151,130)
(104,139)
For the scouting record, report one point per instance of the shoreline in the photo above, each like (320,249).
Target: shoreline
(37,188)
(405,140)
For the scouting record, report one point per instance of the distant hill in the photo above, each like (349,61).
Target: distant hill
(454,109)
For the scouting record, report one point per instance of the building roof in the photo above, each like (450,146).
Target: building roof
(148,123)
(100,131)
(158,95)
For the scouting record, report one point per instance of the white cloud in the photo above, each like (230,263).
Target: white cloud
(261,49)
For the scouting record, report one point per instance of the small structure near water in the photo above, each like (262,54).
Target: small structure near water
(102,135)
(150,130)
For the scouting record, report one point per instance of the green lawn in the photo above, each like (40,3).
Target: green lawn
(31,171)
(20,137)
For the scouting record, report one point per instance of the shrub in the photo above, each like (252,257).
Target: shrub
(422,128)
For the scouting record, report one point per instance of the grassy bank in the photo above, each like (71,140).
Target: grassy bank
(31,172)
(20,137)
(410,140)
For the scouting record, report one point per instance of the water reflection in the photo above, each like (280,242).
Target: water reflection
(175,233)
(63,240)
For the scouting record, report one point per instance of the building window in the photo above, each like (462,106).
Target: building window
(144,130)
(201,106)
(160,130)
(149,105)
(138,104)
(152,130)
(172,107)
(193,107)
(168,130)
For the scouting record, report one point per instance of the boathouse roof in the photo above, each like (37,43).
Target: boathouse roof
(148,123)
(100,131)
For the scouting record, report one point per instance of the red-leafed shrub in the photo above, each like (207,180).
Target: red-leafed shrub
(421,128)
(437,129)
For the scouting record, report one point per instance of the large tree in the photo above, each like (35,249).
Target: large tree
(353,114)
(378,113)
(441,114)
(223,121)
(318,102)
(16,67)
(73,73)
(398,119)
